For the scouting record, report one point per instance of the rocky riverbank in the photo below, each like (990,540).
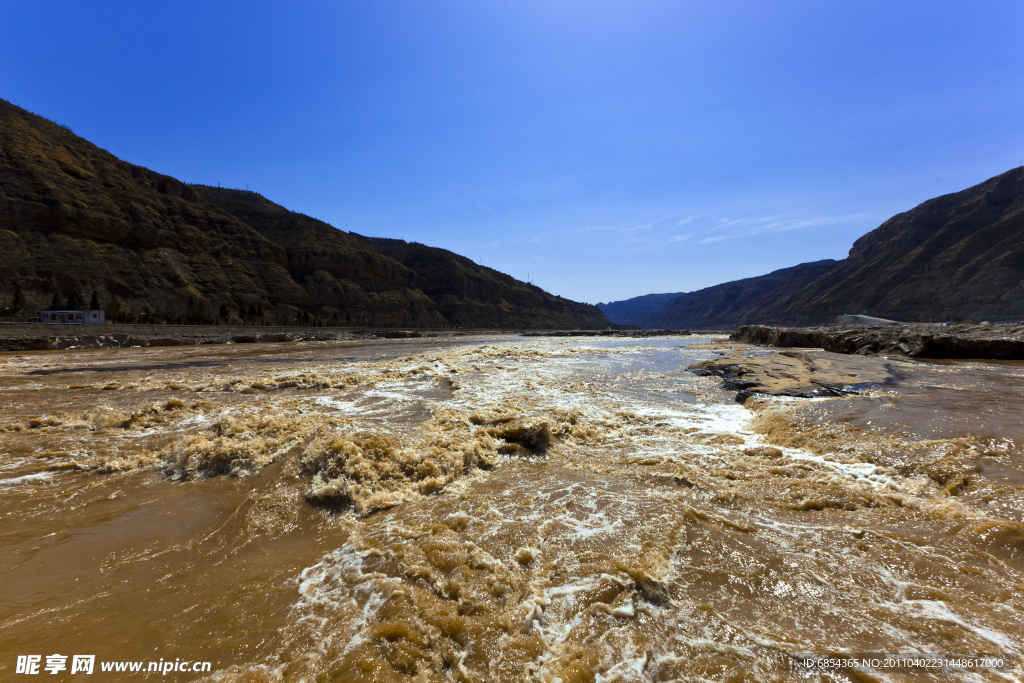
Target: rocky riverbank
(917,341)
(43,337)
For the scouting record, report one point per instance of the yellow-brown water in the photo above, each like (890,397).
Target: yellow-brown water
(499,510)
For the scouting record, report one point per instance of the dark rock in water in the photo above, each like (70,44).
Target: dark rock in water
(653,591)
(917,341)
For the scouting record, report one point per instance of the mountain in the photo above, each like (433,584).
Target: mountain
(421,284)
(336,270)
(732,303)
(954,257)
(468,294)
(632,311)
(74,217)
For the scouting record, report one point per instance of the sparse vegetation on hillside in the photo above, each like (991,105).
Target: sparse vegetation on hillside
(955,257)
(74,218)
(468,294)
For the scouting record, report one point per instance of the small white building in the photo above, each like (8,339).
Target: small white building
(73,316)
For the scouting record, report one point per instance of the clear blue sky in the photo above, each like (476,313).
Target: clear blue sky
(607,149)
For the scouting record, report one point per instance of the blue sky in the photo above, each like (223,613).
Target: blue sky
(602,149)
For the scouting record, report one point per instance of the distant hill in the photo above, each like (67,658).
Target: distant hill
(742,301)
(954,257)
(73,217)
(632,311)
(413,282)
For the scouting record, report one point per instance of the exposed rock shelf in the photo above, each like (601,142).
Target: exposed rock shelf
(795,373)
(918,341)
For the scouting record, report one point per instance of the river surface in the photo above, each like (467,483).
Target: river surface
(500,509)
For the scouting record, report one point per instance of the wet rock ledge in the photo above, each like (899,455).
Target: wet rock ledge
(807,373)
(917,341)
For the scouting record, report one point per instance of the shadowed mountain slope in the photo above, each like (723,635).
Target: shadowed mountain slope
(632,311)
(465,291)
(953,257)
(336,269)
(741,301)
(75,217)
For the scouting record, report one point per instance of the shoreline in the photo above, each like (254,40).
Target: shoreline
(60,337)
(67,336)
(984,341)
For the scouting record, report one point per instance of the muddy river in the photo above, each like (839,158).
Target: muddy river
(497,509)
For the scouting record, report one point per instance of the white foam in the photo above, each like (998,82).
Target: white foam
(39,476)
(939,610)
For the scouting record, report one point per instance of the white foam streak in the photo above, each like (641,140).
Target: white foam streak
(28,478)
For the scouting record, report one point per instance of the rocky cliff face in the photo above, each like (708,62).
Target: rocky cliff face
(334,269)
(958,256)
(74,217)
(1005,342)
(955,257)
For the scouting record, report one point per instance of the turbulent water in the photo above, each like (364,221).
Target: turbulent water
(494,509)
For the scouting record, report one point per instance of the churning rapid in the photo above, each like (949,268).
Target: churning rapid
(495,509)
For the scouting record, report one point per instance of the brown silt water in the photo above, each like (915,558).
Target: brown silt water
(500,509)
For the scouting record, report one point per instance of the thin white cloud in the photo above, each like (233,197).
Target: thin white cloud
(784,226)
(725,222)
(717,238)
(666,222)
(744,227)
(679,238)
(637,228)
